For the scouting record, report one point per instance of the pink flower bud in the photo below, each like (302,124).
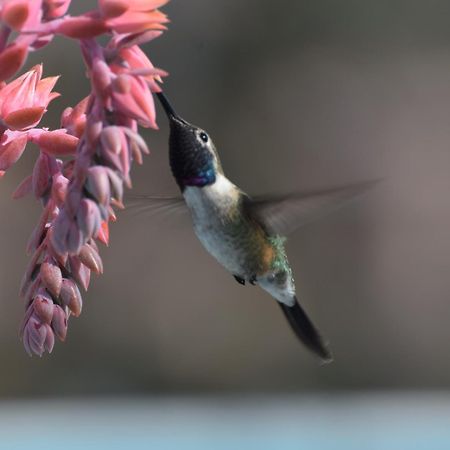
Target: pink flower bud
(139,5)
(88,218)
(15,13)
(71,297)
(81,274)
(59,188)
(93,131)
(137,61)
(12,59)
(59,322)
(112,138)
(60,232)
(73,201)
(24,118)
(34,335)
(74,119)
(81,27)
(101,78)
(60,258)
(34,16)
(103,233)
(133,98)
(98,184)
(112,215)
(146,5)
(129,40)
(51,277)
(116,184)
(11,148)
(75,239)
(57,143)
(122,84)
(41,176)
(112,8)
(43,306)
(136,154)
(91,259)
(56,8)
(136,142)
(49,339)
(136,21)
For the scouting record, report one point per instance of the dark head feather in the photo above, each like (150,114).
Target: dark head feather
(192,155)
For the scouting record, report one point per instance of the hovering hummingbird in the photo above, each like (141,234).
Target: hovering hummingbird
(246,235)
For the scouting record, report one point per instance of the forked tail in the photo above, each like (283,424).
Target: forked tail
(306,331)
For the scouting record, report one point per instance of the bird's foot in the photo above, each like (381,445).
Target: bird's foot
(253,280)
(239,280)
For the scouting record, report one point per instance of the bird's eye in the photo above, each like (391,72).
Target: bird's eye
(271,277)
(204,136)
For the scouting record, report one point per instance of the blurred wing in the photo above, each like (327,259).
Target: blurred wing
(284,214)
(150,205)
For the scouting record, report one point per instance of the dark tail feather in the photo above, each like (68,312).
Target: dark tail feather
(306,331)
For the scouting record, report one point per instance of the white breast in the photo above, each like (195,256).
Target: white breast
(221,195)
(208,206)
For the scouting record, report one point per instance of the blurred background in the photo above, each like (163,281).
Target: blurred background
(297,96)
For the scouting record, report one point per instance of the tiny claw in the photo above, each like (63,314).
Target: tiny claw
(239,280)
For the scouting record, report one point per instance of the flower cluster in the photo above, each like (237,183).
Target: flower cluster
(83,167)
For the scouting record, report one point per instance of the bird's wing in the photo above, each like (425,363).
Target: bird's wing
(286,213)
(150,205)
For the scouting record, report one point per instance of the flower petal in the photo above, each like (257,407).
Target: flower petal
(15,13)
(12,151)
(81,27)
(57,143)
(12,59)
(113,8)
(25,118)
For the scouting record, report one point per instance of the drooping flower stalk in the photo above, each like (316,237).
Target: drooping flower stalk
(82,168)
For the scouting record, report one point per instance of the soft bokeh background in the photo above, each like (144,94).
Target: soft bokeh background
(297,95)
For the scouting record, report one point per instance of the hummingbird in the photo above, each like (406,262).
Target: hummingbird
(246,235)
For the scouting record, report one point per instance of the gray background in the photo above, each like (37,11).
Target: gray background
(297,95)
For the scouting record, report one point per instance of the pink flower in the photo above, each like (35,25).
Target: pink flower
(116,8)
(74,119)
(37,336)
(12,145)
(21,14)
(55,8)
(57,143)
(34,14)
(137,63)
(132,97)
(133,16)
(82,168)
(81,27)
(113,8)
(24,101)
(12,59)
(15,13)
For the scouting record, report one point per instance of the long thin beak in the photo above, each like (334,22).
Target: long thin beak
(171,114)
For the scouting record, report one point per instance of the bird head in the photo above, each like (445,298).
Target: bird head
(193,157)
